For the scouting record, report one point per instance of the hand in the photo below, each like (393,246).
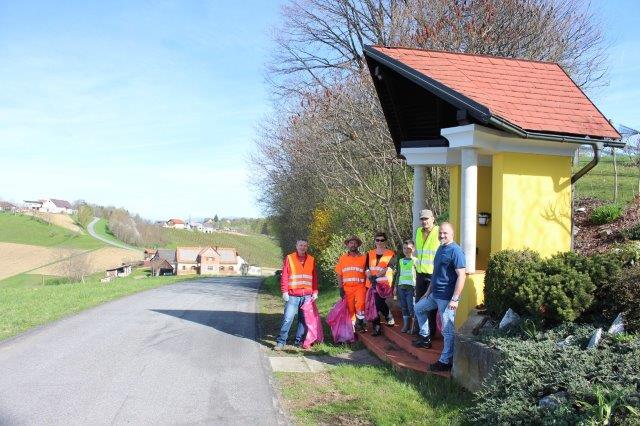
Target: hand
(341,293)
(285,297)
(314,296)
(453,305)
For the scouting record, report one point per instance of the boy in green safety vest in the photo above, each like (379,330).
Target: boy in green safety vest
(427,244)
(406,285)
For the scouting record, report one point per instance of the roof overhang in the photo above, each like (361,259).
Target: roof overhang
(402,89)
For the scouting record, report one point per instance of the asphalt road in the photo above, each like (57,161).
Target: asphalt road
(181,354)
(92,232)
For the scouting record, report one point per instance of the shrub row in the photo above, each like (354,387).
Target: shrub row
(565,286)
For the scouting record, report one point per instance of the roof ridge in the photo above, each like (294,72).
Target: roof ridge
(467,54)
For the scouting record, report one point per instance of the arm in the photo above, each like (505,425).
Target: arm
(284,278)
(462,276)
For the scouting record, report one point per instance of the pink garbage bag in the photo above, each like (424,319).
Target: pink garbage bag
(339,320)
(439,322)
(313,322)
(384,290)
(370,310)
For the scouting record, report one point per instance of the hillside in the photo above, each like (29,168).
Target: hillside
(599,182)
(255,249)
(30,230)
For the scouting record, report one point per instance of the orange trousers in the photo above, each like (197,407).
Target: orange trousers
(355,295)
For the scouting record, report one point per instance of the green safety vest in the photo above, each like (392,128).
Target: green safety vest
(407,271)
(426,250)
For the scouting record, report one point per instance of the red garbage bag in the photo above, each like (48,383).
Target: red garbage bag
(339,320)
(313,322)
(370,310)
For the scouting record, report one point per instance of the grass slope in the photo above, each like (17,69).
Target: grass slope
(255,249)
(23,229)
(599,182)
(26,303)
(102,230)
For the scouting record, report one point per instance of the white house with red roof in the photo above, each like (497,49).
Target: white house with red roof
(175,224)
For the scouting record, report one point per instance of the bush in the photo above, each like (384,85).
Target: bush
(532,369)
(606,214)
(623,294)
(508,271)
(632,233)
(557,289)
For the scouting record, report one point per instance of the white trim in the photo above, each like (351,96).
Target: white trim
(469,207)
(419,184)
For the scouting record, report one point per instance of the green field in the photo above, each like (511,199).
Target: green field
(256,249)
(24,229)
(26,303)
(102,230)
(599,182)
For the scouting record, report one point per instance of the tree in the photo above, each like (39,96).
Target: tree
(216,218)
(84,215)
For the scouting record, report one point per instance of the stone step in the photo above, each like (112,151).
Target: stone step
(403,341)
(399,358)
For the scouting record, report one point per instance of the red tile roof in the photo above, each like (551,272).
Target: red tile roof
(535,96)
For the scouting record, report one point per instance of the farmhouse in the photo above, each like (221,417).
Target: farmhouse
(32,205)
(51,205)
(175,224)
(7,206)
(163,262)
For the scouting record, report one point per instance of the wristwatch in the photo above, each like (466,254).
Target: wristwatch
(455,299)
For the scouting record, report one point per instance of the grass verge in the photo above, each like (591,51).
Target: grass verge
(25,302)
(23,229)
(599,182)
(352,394)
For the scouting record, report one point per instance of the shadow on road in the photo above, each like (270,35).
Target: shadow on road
(240,324)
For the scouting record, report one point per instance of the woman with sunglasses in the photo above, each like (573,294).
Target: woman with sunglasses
(381,263)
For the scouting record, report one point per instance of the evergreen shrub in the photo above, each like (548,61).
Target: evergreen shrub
(633,233)
(622,295)
(606,214)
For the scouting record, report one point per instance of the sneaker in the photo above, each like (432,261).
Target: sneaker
(278,348)
(422,342)
(391,322)
(360,327)
(440,366)
(376,330)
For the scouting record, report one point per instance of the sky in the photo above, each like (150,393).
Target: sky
(154,105)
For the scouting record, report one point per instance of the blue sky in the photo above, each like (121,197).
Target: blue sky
(153,105)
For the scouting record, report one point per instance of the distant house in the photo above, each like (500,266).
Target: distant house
(53,205)
(32,205)
(163,262)
(119,271)
(6,206)
(228,260)
(208,228)
(175,224)
(187,260)
(148,255)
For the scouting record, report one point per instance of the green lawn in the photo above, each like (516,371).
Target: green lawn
(24,229)
(256,249)
(599,182)
(26,303)
(352,394)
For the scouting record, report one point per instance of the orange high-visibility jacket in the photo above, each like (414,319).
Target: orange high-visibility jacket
(377,267)
(301,276)
(351,269)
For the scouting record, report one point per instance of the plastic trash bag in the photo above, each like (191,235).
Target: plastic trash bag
(313,322)
(384,290)
(370,310)
(339,320)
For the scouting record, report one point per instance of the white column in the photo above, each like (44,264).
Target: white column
(418,194)
(469,205)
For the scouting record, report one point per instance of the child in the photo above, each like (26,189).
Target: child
(407,284)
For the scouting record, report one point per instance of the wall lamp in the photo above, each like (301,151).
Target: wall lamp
(484,218)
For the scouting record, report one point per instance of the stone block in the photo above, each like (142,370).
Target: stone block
(472,362)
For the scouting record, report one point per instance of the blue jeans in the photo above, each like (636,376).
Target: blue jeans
(292,308)
(447,316)
(405,297)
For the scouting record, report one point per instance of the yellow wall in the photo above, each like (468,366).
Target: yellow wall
(483,233)
(472,296)
(454,199)
(531,197)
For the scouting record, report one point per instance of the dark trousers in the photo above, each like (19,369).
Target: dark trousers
(422,284)
(382,307)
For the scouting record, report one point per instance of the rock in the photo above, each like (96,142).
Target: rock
(581,210)
(603,233)
(617,326)
(595,339)
(553,400)
(567,341)
(509,318)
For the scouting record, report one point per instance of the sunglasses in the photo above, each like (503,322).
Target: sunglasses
(380,240)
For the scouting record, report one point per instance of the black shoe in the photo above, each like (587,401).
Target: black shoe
(422,342)
(391,322)
(376,330)
(360,326)
(439,366)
